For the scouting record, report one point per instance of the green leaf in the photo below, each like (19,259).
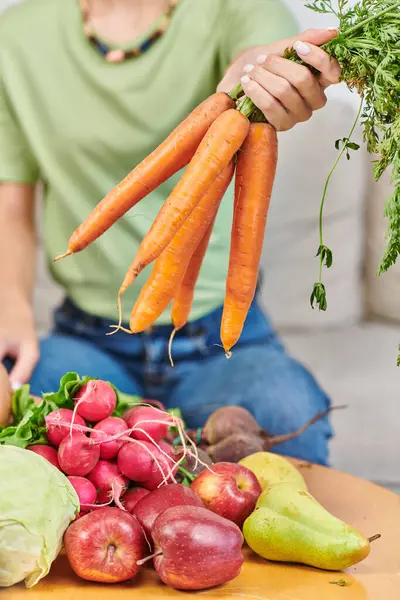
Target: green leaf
(318,297)
(353,146)
(325,255)
(124,402)
(29,425)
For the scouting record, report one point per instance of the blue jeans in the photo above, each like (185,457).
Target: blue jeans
(260,376)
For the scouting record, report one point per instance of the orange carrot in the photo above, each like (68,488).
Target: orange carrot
(216,150)
(171,156)
(255,173)
(170,267)
(183,299)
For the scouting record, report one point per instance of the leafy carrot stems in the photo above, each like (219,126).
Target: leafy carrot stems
(368,52)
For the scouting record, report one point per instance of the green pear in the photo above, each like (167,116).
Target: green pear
(271,468)
(289,525)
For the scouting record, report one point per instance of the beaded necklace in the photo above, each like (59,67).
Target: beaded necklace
(119,55)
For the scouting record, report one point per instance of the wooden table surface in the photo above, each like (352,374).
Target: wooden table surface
(364,505)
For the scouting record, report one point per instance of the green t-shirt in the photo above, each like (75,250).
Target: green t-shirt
(81,124)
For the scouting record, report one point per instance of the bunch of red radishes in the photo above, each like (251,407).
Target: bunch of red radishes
(102,454)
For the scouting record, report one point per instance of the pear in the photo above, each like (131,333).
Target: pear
(271,468)
(289,525)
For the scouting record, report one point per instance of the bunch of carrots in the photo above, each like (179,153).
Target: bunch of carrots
(224,135)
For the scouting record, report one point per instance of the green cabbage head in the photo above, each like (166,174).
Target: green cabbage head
(37,503)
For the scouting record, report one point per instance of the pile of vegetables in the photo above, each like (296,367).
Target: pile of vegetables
(121,483)
(227,133)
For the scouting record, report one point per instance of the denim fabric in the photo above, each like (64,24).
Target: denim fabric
(260,375)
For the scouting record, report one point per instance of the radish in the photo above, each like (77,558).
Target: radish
(157,476)
(135,459)
(56,432)
(132,497)
(47,452)
(95,401)
(152,421)
(108,481)
(86,491)
(167,448)
(144,463)
(78,455)
(108,428)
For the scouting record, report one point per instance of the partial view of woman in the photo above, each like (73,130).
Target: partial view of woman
(87,89)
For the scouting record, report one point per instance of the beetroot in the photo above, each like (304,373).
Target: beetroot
(95,401)
(78,455)
(47,452)
(86,491)
(56,432)
(107,428)
(108,481)
(229,420)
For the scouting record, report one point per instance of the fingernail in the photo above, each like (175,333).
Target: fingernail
(16,385)
(245,79)
(248,68)
(302,48)
(333,29)
(261,59)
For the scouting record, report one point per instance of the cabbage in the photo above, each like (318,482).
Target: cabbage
(37,503)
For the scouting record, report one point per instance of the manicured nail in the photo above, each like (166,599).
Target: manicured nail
(16,385)
(245,79)
(333,28)
(302,48)
(248,68)
(261,59)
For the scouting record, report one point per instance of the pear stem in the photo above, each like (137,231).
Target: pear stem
(374,537)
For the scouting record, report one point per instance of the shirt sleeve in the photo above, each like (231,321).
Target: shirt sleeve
(17,163)
(249,23)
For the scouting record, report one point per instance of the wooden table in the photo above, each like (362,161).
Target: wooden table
(362,504)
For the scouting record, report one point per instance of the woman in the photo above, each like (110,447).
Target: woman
(87,90)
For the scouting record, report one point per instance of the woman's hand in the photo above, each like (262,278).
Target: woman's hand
(18,341)
(5,396)
(287,93)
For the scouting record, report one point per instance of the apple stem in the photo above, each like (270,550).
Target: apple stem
(144,560)
(374,537)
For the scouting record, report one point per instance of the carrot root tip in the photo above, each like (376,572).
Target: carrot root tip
(228,354)
(60,256)
(117,328)
(171,339)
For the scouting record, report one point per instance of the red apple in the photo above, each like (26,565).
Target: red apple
(132,497)
(229,490)
(174,494)
(196,549)
(105,546)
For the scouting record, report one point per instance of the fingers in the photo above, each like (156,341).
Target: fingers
(26,360)
(281,90)
(300,78)
(273,110)
(320,60)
